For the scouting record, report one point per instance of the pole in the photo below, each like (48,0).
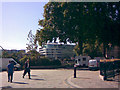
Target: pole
(74,71)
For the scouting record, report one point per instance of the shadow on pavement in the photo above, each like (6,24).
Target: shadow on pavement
(36,79)
(33,75)
(116,80)
(19,82)
(82,78)
(6,87)
(82,69)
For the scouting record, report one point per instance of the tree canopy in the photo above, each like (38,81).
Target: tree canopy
(80,23)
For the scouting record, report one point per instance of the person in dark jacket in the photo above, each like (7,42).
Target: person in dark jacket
(27,69)
(10,70)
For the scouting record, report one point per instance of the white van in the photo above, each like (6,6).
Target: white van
(82,60)
(5,61)
(93,64)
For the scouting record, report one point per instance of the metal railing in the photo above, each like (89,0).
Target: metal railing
(109,68)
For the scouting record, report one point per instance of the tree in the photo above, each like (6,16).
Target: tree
(5,54)
(110,32)
(16,56)
(31,39)
(83,24)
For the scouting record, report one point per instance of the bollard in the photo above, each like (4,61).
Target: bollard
(101,68)
(74,71)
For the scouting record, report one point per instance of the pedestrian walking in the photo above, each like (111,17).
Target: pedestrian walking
(27,69)
(10,71)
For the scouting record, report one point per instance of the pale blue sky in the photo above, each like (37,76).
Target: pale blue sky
(18,18)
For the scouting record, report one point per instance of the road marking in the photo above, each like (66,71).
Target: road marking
(68,81)
(65,82)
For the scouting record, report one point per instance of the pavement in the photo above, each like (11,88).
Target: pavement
(92,80)
(57,78)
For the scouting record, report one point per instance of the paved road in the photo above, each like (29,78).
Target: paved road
(40,79)
(92,79)
(56,78)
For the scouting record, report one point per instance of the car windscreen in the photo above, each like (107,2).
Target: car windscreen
(92,62)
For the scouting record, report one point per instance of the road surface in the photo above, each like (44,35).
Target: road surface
(56,78)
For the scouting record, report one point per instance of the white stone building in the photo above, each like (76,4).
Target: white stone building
(57,51)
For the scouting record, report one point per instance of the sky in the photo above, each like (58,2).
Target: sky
(18,18)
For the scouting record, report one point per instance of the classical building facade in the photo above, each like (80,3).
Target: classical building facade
(57,51)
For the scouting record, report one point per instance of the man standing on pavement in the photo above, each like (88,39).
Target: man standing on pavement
(27,69)
(10,70)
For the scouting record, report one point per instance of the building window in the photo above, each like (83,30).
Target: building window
(75,61)
(78,59)
(84,59)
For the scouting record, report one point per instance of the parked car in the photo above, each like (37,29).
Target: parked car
(93,64)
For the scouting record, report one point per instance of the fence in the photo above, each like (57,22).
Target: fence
(109,68)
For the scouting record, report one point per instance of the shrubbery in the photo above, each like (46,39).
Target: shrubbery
(40,61)
(55,62)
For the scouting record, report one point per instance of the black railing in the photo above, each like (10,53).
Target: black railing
(109,68)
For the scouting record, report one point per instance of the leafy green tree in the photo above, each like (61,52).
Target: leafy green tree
(5,54)
(80,23)
(110,32)
(35,59)
(22,61)
(16,56)
(93,50)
